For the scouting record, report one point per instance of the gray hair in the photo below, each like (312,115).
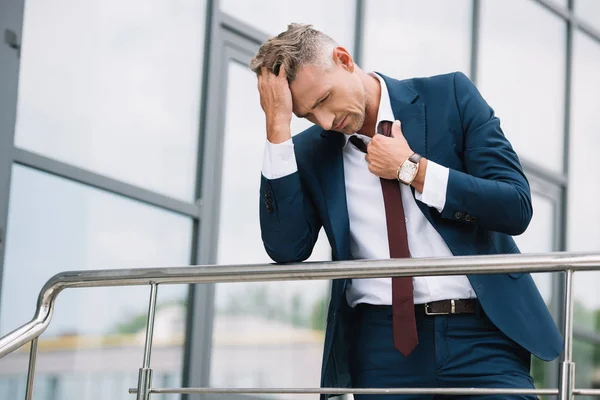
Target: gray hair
(299,45)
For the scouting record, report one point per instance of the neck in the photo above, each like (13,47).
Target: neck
(373,97)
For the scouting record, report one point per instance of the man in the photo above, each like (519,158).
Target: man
(445,181)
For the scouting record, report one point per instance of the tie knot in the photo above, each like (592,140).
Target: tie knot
(385,128)
(358,143)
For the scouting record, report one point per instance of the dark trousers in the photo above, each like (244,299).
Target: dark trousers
(454,351)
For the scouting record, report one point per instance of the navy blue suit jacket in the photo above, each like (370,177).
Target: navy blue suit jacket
(488,199)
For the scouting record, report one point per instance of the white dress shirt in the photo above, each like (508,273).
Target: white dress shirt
(368,229)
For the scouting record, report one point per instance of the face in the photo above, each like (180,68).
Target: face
(333,98)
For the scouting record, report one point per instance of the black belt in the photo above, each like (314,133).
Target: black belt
(445,307)
(442,307)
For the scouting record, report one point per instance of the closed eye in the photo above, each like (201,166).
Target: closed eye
(324,99)
(318,103)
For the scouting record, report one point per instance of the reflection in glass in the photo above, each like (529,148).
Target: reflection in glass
(333,17)
(522,76)
(114,87)
(96,335)
(274,331)
(405,39)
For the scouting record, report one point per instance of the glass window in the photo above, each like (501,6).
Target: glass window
(56,225)
(405,39)
(583,233)
(114,87)
(588,11)
(584,163)
(587,362)
(333,17)
(274,331)
(522,76)
(539,238)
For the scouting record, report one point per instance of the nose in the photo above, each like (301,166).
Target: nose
(324,120)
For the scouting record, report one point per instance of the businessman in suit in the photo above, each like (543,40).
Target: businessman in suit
(393,169)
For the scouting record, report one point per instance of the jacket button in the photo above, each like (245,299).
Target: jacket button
(458,215)
(468,218)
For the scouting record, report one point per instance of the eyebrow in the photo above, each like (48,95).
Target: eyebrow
(319,100)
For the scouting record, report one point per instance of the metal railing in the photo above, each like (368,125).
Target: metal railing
(550,262)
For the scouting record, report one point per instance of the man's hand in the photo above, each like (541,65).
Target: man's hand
(386,154)
(276,102)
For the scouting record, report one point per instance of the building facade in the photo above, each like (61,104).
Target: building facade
(131,135)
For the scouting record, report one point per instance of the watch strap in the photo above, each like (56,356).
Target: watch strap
(415,158)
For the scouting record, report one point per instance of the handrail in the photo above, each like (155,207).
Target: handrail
(547,262)
(510,263)
(339,391)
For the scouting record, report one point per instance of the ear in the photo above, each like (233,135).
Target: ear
(342,57)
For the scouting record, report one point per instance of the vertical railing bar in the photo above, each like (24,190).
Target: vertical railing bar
(150,324)
(145,375)
(31,369)
(567,377)
(569,309)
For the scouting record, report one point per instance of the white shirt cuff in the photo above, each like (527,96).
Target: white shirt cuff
(279,160)
(434,188)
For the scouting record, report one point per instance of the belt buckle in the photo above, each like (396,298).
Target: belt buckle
(452,309)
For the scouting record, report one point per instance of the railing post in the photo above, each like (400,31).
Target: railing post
(567,370)
(145,375)
(31,369)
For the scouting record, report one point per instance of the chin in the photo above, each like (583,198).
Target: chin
(358,125)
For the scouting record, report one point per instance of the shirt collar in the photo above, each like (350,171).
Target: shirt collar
(384,113)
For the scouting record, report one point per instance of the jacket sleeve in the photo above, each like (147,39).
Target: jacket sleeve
(288,220)
(493,192)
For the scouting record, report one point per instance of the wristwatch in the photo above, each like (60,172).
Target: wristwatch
(407,172)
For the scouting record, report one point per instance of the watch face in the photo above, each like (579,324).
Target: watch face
(407,172)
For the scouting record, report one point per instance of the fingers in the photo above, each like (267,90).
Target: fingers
(282,73)
(267,76)
(396,129)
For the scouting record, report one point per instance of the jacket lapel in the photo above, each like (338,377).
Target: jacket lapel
(410,113)
(330,172)
(414,123)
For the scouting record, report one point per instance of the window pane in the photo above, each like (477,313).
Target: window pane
(588,11)
(96,335)
(583,232)
(522,76)
(587,359)
(584,163)
(334,17)
(114,87)
(274,331)
(406,38)
(539,238)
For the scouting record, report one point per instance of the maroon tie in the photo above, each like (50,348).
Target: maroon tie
(403,309)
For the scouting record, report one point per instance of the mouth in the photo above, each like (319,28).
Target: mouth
(342,124)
